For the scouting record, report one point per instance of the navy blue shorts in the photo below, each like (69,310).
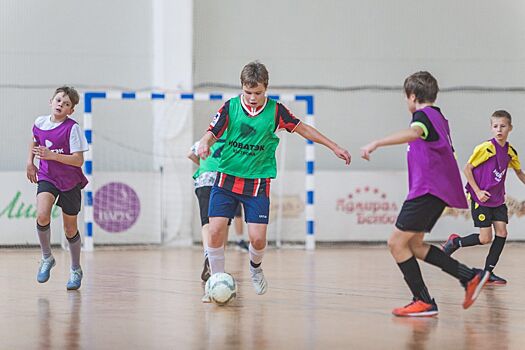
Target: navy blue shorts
(223,203)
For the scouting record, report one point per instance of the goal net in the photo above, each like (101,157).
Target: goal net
(141,189)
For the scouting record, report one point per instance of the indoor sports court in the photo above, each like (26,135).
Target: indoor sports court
(101,220)
(136,298)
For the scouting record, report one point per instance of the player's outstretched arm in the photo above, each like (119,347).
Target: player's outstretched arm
(205,143)
(397,138)
(312,134)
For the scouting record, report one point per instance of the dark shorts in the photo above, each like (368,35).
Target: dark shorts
(224,203)
(485,216)
(70,201)
(203,197)
(420,214)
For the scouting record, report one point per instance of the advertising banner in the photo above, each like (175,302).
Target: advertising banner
(363,206)
(127,210)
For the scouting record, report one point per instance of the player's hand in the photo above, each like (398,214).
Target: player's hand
(343,154)
(31,171)
(368,149)
(482,195)
(203,151)
(44,153)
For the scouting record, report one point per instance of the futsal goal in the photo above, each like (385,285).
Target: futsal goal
(140,189)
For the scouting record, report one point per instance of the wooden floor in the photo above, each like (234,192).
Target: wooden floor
(328,299)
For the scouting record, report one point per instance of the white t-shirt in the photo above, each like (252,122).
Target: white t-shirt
(77,139)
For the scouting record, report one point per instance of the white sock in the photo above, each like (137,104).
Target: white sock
(256,256)
(216,259)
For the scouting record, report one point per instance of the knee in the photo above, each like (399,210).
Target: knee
(43,219)
(70,230)
(485,239)
(393,245)
(501,231)
(502,234)
(258,243)
(214,237)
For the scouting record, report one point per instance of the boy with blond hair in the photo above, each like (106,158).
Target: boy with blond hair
(486,171)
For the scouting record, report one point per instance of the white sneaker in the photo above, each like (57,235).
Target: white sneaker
(206,298)
(259,282)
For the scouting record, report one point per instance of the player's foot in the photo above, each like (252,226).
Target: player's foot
(206,297)
(474,286)
(417,308)
(205,274)
(242,246)
(44,271)
(449,247)
(259,282)
(75,279)
(494,280)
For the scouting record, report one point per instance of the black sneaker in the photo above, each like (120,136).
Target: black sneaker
(494,280)
(205,270)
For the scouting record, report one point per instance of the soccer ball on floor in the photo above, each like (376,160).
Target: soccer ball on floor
(221,288)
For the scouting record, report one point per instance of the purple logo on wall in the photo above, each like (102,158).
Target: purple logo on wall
(116,206)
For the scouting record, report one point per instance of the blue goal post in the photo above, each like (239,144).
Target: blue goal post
(90,97)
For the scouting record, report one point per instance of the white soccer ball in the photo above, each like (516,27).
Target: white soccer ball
(221,288)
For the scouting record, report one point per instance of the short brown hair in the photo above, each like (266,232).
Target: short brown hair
(423,85)
(254,73)
(70,92)
(502,114)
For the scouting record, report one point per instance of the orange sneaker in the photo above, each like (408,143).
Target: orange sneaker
(417,308)
(474,286)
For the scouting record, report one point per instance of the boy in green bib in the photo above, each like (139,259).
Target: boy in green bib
(248,164)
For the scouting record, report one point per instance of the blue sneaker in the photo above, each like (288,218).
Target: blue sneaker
(449,247)
(75,278)
(44,271)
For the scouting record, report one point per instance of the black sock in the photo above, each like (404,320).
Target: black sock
(495,251)
(254,265)
(468,241)
(450,265)
(414,279)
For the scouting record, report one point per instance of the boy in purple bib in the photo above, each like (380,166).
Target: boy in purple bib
(434,183)
(486,171)
(58,143)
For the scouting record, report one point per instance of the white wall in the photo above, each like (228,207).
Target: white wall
(113,43)
(99,45)
(352,43)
